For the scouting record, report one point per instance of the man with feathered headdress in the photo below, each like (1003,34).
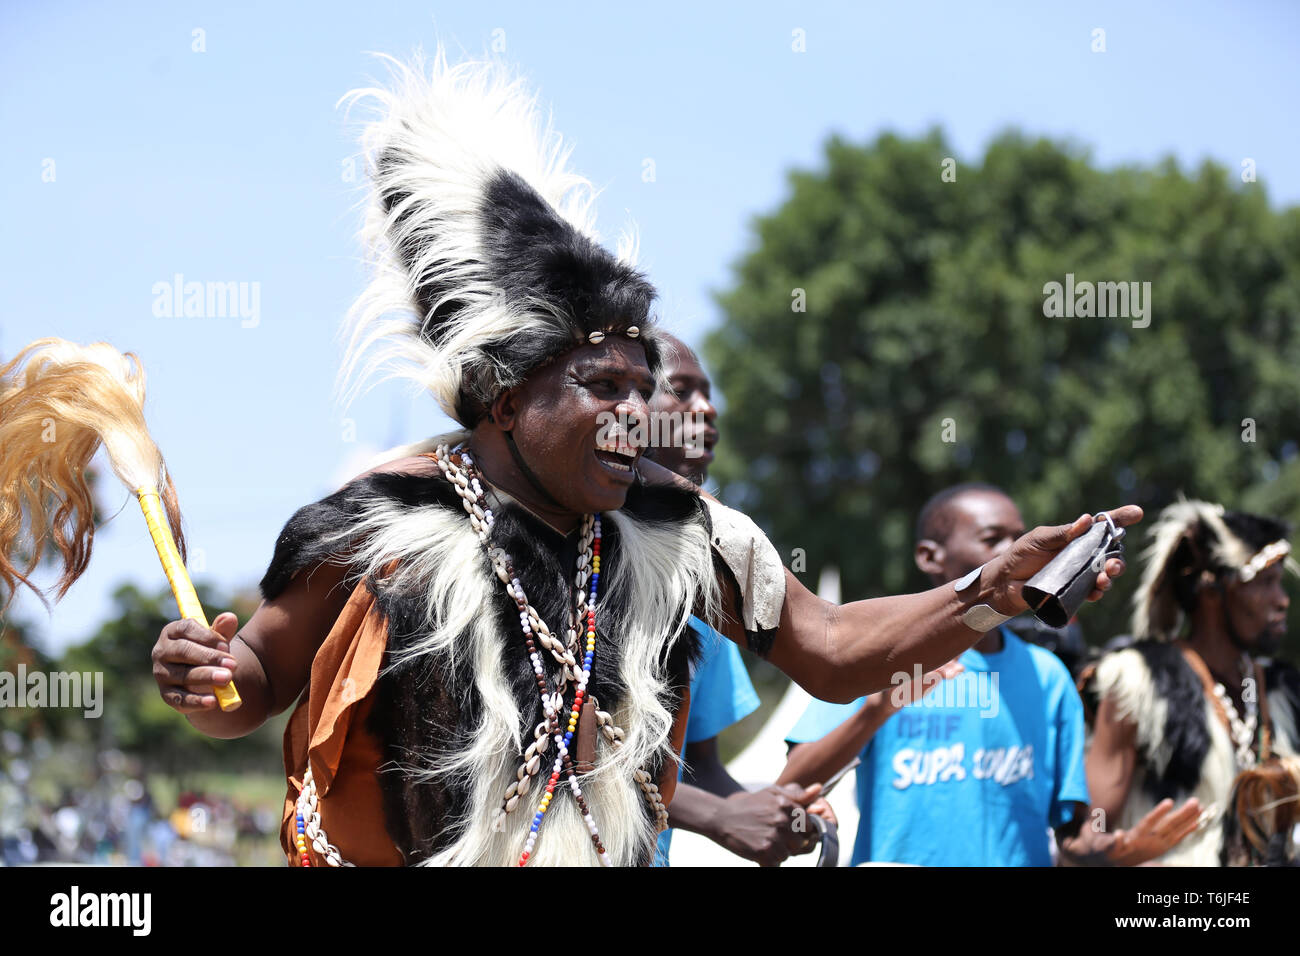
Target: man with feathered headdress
(1185,709)
(492,631)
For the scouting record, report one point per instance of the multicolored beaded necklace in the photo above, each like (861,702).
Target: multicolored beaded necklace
(466,481)
(562,760)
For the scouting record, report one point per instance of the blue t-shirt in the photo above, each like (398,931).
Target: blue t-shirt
(975,772)
(721,695)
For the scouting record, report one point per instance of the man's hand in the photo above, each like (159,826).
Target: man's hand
(1155,834)
(821,808)
(768,826)
(189,659)
(1031,553)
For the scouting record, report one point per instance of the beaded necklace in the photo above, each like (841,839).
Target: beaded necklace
(1242,731)
(309,831)
(466,481)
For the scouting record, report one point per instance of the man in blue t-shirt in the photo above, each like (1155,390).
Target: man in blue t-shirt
(975,772)
(977,763)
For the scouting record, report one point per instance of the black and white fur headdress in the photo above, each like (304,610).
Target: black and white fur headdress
(1195,543)
(482,243)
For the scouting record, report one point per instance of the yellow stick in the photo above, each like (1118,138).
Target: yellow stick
(179,579)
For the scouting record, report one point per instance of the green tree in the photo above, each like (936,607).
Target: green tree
(924,320)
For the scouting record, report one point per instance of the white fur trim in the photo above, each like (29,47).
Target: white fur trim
(1125,678)
(1266,556)
(665,574)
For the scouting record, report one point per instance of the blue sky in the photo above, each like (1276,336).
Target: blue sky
(228,165)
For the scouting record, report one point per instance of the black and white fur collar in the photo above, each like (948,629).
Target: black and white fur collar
(1183,749)
(457,704)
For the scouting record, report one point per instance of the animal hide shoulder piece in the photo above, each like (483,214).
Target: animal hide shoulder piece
(749,563)
(1153,686)
(457,703)
(1183,749)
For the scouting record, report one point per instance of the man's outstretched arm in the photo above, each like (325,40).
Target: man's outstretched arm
(272,654)
(1152,837)
(841,652)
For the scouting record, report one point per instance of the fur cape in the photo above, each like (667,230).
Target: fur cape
(1183,748)
(456,702)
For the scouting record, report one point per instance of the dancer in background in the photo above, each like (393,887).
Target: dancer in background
(1185,709)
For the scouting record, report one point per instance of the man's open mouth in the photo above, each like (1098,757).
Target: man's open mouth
(616,456)
(700,444)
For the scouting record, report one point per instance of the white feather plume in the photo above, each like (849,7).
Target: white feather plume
(454,127)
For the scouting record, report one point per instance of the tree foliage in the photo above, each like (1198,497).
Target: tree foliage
(925,320)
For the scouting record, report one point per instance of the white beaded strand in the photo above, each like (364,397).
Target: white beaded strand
(531,623)
(482,520)
(1243,731)
(308,809)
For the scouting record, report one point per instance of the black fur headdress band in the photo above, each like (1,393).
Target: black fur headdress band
(486,263)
